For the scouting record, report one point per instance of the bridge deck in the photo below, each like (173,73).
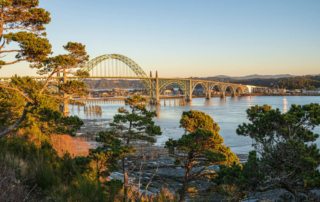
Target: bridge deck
(138,78)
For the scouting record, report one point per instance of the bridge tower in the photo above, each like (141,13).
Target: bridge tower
(157,89)
(155,92)
(189,97)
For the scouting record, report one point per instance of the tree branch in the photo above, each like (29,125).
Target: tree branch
(10,63)
(17,90)
(16,123)
(47,82)
(9,51)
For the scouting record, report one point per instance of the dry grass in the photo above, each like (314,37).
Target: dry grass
(75,146)
(12,189)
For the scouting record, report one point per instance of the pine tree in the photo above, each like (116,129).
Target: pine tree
(284,155)
(42,103)
(27,22)
(133,125)
(201,147)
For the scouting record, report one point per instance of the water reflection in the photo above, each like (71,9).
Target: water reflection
(227,112)
(285,105)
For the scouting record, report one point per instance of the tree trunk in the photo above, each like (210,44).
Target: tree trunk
(65,96)
(16,123)
(128,139)
(183,192)
(184,188)
(125,180)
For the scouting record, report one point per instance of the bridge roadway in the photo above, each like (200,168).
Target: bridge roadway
(187,85)
(122,67)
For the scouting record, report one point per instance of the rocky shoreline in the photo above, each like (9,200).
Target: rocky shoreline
(156,169)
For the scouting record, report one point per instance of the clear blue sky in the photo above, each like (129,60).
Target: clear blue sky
(192,37)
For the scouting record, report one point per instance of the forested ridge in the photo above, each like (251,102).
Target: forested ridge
(309,82)
(110,84)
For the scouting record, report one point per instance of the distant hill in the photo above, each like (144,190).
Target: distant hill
(263,80)
(255,76)
(255,80)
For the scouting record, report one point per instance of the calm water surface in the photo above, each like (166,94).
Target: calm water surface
(228,113)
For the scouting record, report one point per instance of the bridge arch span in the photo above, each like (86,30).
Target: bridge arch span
(126,60)
(165,83)
(204,87)
(240,88)
(138,71)
(231,88)
(211,87)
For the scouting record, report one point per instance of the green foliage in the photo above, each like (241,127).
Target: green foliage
(200,144)
(193,120)
(104,158)
(76,58)
(42,105)
(33,48)
(234,181)
(73,87)
(297,83)
(285,156)
(141,126)
(81,73)
(85,189)
(60,178)
(11,104)
(45,167)
(201,147)
(43,114)
(24,15)
(113,188)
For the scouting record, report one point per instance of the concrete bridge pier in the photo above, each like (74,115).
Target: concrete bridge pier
(154,93)
(189,95)
(157,89)
(208,95)
(223,95)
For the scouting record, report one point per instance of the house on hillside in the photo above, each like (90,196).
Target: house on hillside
(168,93)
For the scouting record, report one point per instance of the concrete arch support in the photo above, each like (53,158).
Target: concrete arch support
(205,87)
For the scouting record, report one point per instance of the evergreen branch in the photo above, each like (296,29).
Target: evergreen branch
(17,90)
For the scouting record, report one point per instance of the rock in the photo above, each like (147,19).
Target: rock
(264,200)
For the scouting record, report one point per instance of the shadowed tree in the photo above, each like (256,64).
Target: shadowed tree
(284,155)
(134,125)
(34,108)
(39,100)
(200,147)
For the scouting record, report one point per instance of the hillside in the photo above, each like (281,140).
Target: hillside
(110,84)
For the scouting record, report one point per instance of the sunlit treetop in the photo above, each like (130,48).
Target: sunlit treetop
(27,23)
(76,58)
(193,120)
(23,15)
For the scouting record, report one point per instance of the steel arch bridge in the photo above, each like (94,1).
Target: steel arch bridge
(127,68)
(116,66)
